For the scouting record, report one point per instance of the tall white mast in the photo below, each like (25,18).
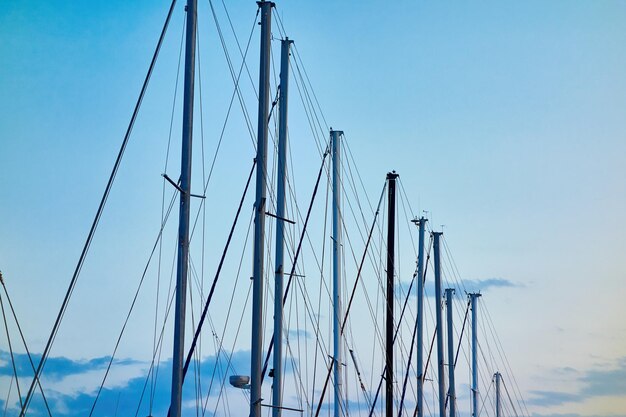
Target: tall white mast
(259,207)
(337,241)
(440,360)
(183,221)
(279,271)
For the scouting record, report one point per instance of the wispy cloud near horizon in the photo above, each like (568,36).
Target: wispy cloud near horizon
(597,382)
(71,386)
(466,285)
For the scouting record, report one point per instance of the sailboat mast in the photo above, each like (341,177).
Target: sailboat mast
(183,222)
(337,241)
(420,317)
(280,229)
(440,367)
(473,298)
(259,207)
(391,238)
(451,390)
(498,377)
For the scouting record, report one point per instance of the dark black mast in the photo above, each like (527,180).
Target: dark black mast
(391,238)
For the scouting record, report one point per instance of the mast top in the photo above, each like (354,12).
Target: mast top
(417,221)
(392,175)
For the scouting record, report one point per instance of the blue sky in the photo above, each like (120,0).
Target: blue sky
(505,121)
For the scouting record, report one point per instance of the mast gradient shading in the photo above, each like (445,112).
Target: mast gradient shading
(438,304)
(421,224)
(473,305)
(279,271)
(259,208)
(451,389)
(337,242)
(183,222)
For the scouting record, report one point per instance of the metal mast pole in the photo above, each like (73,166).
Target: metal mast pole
(280,229)
(440,374)
(473,297)
(337,241)
(391,238)
(451,390)
(183,219)
(498,377)
(259,207)
(420,316)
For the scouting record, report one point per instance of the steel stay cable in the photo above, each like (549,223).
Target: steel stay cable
(99,212)
(19,328)
(458,347)
(17,381)
(217,275)
(356,281)
(6,402)
(380,383)
(167,155)
(232,72)
(509,395)
(430,351)
(489,322)
(228,313)
(295,258)
(505,360)
(485,399)
(406,376)
(154,355)
(143,276)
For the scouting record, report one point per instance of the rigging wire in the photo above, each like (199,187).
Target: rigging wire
(220,344)
(345,318)
(217,275)
(157,355)
(19,329)
(164,186)
(132,305)
(236,79)
(6,402)
(295,260)
(96,220)
(509,396)
(485,399)
(17,381)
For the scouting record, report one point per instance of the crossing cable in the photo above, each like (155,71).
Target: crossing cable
(236,80)
(17,381)
(430,351)
(164,186)
(6,403)
(154,354)
(506,362)
(485,399)
(319,296)
(194,342)
(132,306)
(19,329)
(408,368)
(458,347)
(229,310)
(356,281)
(217,275)
(491,327)
(380,383)
(96,220)
(509,395)
(296,256)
